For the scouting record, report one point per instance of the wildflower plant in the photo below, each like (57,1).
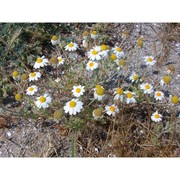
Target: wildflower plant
(97,67)
(100,84)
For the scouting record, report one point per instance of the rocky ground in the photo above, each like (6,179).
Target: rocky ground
(21,137)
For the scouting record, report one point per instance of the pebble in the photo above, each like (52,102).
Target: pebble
(111,155)
(9,134)
(141,132)
(177,77)
(96,149)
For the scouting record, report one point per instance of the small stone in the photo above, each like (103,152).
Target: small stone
(111,155)
(9,134)
(96,150)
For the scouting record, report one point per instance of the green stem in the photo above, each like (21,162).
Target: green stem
(90,103)
(72,148)
(137,62)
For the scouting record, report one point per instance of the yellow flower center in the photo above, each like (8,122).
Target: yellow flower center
(39,60)
(70,45)
(33,74)
(100,91)
(174,99)
(167,79)
(60,59)
(18,97)
(24,76)
(72,104)
(91,64)
(112,108)
(119,91)
(135,77)
(78,90)
(31,89)
(113,57)
(157,116)
(158,94)
(147,86)
(15,74)
(85,33)
(149,59)
(104,47)
(54,38)
(98,86)
(94,32)
(129,95)
(42,99)
(140,42)
(98,112)
(122,62)
(94,52)
(118,49)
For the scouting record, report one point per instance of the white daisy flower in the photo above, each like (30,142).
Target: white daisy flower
(73,107)
(99,93)
(15,75)
(31,90)
(134,77)
(115,58)
(78,90)
(91,65)
(112,110)
(118,94)
(94,35)
(148,88)
(71,47)
(149,60)
(156,117)
(94,54)
(97,48)
(97,113)
(118,51)
(121,63)
(60,60)
(104,51)
(40,62)
(159,95)
(165,80)
(174,99)
(43,101)
(34,76)
(55,40)
(130,97)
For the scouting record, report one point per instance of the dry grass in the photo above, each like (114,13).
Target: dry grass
(129,135)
